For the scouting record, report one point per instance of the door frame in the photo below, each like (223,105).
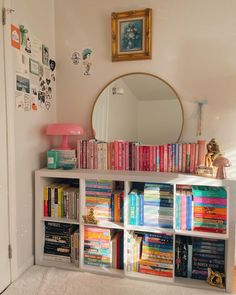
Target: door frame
(10,126)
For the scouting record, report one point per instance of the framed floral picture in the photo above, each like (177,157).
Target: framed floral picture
(131,35)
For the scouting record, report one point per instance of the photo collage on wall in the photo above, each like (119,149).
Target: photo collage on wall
(35,71)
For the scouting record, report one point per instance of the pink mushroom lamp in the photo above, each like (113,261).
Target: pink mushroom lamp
(221,162)
(65,130)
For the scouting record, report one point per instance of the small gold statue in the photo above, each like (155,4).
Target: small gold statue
(215,278)
(213,152)
(90,218)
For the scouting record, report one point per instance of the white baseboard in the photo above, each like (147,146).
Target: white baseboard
(25,266)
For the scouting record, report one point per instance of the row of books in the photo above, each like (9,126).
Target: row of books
(61,242)
(103,247)
(124,155)
(209,209)
(61,201)
(183,208)
(153,206)
(150,254)
(106,201)
(193,257)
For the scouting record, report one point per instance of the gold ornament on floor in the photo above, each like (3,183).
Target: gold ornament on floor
(90,218)
(215,278)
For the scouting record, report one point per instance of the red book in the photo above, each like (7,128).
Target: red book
(140,158)
(158,158)
(108,155)
(136,157)
(169,165)
(116,154)
(184,150)
(161,153)
(127,155)
(118,250)
(155,148)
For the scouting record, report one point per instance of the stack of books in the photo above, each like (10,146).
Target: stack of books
(210,209)
(61,201)
(207,253)
(183,208)
(97,247)
(136,207)
(193,257)
(67,158)
(58,237)
(157,255)
(158,205)
(106,202)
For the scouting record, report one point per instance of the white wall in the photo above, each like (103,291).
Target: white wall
(159,121)
(122,118)
(194,49)
(27,140)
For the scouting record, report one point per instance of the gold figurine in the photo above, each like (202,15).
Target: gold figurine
(215,278)
(213,152)
(90,218)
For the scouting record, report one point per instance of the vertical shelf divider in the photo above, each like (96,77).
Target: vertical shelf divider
(81,222)
(127,187)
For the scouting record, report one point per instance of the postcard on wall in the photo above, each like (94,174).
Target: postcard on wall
(15,37)
(36,49)
(45,55)
(23,101)
(33,67)
(22,84)
(22,63)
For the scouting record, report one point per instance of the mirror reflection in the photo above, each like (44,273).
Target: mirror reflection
(138,107)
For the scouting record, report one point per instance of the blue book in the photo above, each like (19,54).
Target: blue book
(141,209)
(189,212)
(112,207)
(178,211)
(132,208)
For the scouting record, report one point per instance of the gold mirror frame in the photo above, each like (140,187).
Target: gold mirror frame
(139,73)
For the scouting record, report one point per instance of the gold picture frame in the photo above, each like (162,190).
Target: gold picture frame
(131,35)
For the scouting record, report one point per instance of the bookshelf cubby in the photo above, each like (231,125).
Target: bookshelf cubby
(118,229)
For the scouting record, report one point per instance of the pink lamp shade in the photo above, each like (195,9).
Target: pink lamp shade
(64,130)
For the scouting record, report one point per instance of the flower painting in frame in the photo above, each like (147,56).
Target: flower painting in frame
(131,35)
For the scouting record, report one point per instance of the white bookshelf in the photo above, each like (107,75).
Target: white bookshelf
(44,177)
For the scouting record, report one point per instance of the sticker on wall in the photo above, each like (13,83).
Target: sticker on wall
(53,77)
(75,58)
(23,35)
(52,64)
(22,84)
(27,100)
(41,71)
(15,37)
(45,55)
(87,62)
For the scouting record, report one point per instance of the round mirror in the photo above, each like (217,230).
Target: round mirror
(138,107)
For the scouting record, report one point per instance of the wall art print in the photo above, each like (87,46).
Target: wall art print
(131,35)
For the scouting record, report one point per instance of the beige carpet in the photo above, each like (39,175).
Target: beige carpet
(50,281)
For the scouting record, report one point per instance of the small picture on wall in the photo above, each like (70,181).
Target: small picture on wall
(131,35)
(22,84)
(33,67)
(45,55)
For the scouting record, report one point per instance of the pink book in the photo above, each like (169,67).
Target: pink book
(180,158)
(127,155)
(154,158)
(158,158)
(192,157)
(165,157)
(201,152)
(79,153)
(116,154)
(183,210)
(108,155)
(196,157)
(169,159)
(218,201)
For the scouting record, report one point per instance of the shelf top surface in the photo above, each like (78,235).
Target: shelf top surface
(142,176)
